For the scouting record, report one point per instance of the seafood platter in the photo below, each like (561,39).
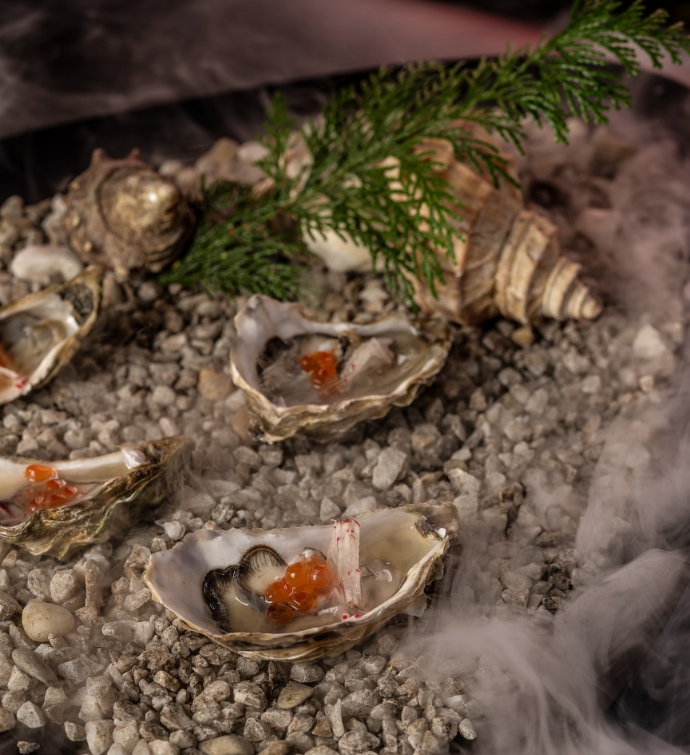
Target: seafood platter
(219,520)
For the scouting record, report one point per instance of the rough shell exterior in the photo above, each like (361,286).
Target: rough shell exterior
(175,579)
(123,215)
(507,258)
(112,508)
(262,319)
(79,302)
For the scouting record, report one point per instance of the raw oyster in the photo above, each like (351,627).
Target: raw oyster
(40,333)
(320,379)
(400,550)
(54,508)
(124,215)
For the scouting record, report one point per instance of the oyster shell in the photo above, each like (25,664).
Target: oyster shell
(40,333)
(406,542)
(109,492)
(377,366)
(124,215)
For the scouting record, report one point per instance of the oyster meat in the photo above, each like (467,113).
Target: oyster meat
(40,333)
(56,507)
(320,379)
(124,215)
(247,589)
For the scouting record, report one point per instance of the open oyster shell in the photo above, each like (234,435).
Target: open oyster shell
(113,490)
(407,361)
(40,333)
(411,540)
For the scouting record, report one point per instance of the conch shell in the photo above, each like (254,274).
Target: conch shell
(123,215)
(507,259)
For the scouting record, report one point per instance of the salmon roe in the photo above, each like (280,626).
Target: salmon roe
(322,367)
(304,582)
(50,491)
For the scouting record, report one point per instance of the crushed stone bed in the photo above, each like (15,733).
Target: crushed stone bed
(511,431)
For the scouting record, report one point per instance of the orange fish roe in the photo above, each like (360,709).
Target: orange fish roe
(278,592)
(304,582)
(320,578)
(52,493)
(39,473)
(302,601)
(279,613)
(297,574)
(322,367)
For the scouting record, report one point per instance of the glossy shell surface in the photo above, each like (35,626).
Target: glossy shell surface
(262,319)
(414,538)
(123,215)
(40,333)
(119,486)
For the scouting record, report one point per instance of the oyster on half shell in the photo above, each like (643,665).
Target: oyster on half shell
(214,581)
(320,379)
(56,507)
(40,333)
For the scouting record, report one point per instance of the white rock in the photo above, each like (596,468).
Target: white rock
(463,482)
(99,736)
(19,681)
(174,530)
(329,510)
(361,506)
(41,619)
(227,745)
(163,747)
(63,585)
(141,748)
(31,715)
(649,344)
(466,729)
(389,467)
(40,262)
(117,749)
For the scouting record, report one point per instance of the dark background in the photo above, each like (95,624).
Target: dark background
(171,76)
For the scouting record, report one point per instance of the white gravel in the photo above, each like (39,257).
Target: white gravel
(510,431)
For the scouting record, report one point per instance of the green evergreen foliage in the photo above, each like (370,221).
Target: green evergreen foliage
(248,243)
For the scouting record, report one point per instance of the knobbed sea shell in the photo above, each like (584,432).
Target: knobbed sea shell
(124,215)
(40,333)
(507,259)
(398,552)
(106,494)
(393,362)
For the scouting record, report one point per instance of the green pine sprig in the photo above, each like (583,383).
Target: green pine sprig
(401,215)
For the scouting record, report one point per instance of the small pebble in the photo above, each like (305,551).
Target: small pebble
(294,694)
(227,745)
(99,736)
(31,715)
(42,619)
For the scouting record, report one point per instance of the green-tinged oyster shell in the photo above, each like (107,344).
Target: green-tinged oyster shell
(124,483)
(410,539)
(40,333)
